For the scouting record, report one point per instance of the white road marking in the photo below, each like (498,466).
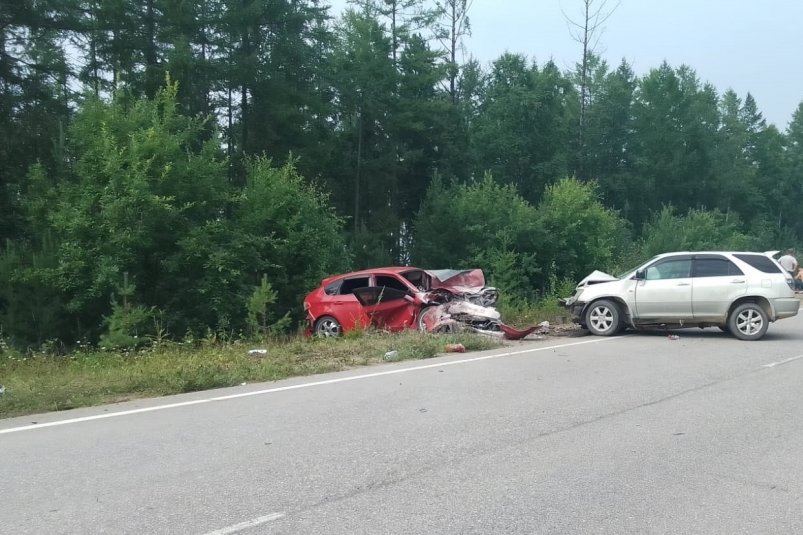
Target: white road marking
(247,524)
(780,363)
(298,386)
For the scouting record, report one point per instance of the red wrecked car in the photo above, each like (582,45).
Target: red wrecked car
(396,298)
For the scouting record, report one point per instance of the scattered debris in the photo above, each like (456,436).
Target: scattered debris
(673,337)
(2,390)
(455,348)
(391,355)
(258,352)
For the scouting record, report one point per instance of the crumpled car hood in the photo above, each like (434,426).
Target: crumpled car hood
(457,280)
(595,278)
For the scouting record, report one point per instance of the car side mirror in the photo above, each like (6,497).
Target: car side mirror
(640,275)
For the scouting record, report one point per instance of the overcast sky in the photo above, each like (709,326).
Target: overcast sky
(746,45)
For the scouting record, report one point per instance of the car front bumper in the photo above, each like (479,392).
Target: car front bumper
(575,308)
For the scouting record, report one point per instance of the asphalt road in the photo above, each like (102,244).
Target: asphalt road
(636,434)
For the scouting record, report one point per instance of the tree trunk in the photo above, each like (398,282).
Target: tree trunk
(151,60)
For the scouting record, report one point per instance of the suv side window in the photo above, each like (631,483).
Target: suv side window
(715,267)
(669,269)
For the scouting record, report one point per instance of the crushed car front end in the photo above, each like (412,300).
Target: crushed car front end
(592,287)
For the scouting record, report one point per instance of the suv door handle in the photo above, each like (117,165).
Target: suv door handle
(684,284)
(737,281)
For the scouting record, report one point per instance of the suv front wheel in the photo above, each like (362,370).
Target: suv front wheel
(748,321)
(603,318)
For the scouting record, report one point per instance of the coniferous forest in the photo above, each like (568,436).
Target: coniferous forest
(187,166)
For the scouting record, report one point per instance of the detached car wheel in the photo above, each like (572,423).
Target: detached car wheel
(748,321)
(603,318)
(328,326)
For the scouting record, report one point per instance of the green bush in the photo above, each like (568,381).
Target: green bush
(146,192)
(584,235)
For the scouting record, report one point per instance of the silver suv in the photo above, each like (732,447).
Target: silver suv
(739,292)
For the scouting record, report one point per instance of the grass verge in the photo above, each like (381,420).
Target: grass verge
(39,382)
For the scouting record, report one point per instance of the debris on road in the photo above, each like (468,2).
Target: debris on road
(455,348)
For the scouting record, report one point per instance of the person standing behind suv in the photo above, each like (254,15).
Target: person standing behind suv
(789,263)
(798,280)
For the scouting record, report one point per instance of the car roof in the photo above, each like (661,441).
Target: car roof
(674,253)
(390,270)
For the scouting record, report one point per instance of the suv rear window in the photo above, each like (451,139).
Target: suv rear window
(760,262)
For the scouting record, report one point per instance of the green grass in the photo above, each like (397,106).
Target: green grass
(524,313)
(38,382)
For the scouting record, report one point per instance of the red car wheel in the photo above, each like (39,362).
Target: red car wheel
(328,326)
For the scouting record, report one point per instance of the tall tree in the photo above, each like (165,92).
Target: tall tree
(587,30)
(454,26)
(523,129)
(404,18)
(421,125)
(609,132)
(737,165)
(675,122)
(792,185)
(271,56)
(35,96)
(366,97)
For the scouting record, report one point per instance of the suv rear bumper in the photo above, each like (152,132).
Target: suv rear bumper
(785,307)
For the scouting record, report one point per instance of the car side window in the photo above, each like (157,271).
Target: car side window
(333,288)
(391,282)
(715,267)
(417,279)
(669,269)
(349,285)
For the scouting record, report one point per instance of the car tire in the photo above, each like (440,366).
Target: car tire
(328,327)
(748,321)
(422,314)
(603,318)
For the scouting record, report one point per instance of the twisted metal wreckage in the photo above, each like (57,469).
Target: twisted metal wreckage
(456,300)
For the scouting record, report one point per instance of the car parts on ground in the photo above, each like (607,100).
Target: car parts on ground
(739,292)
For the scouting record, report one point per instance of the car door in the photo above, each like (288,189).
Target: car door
(344,304)
(388,303)
(664,294)
(716,283)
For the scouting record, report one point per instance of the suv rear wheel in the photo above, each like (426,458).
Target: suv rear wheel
(603,318)
(748,321)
